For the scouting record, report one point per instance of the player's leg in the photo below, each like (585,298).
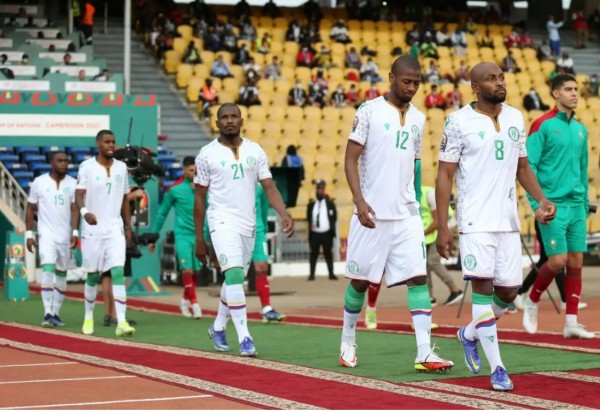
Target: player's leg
(48,256)
(60,282)
(576,245)
(110,317)
(434,264)
(365,257)
(196,266)
(91,256)
(187,275)
(554,237)
(114,260)
(371,310)
(216,331)
(261,268)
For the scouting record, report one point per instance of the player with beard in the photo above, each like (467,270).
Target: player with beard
(102,188)
(386,230)
(484,144)
(228,169)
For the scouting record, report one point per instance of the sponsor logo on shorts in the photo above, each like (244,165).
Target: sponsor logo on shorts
(353,267)
(222,259)
(514,134)
(470,262)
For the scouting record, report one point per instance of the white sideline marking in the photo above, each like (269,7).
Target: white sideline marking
(22,365)
(108,402)
(69,379)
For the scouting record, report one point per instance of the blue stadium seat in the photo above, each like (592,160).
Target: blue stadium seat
(6,149)
(79,149)
(165,157)
(176,173)
(24,183)
(22,174)
(166,183)
(80,157)
(34,157)
(27,149)
(17,166)
(94,150)
(50,149)
(72,173)
(168,165)
(40,168)
(9,157)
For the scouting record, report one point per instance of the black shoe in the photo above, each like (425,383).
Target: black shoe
(333,277)
(107,320)
(311,278)
(131,322)
(454,297)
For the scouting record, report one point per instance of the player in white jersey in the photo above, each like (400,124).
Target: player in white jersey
(228,169)
(52,195)
(386,231)
(484,143)
(102,188)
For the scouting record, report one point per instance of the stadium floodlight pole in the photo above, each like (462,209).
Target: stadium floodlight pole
(127,47)
(70,15)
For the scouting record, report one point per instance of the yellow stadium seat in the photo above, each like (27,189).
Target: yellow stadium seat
(287,140)
(184,74)
(328,145)
(271,127)
(330,130)
(303,74)
(201,71)
(382,26)
(331,114)
(283,86)
(280,22)
(347,115)
(276,114)
(253,125)
(185,31)
(312,114)
(593,103)
(294,114)
(231,84)
(291,48)
(291,128)
(257,114)
(208,58)
(193,88)
(179,45)
(279,99)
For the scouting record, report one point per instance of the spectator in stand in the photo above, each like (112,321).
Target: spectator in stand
(71,48)
(249,95)
(352,59)
(591,86)
(581,29)
(369,72)
(372,92)
(533,101)
(442,37)
(432,73)
(323,58)
(230,41)
(544,53)
(316,97)
(509,64)
(208,96)
(454,98)
(557,70)
(81,75)
(191,55)
(305,57)
(353,96)
(319,80)
(87,21)
(553,35)
(24,59)
(471,26)
(527,40)
(486,40)
(247,30)
(434,100)
(52,48)
(566,64)
(263,44)
(212,41)
(414,35)
(67,60)
(292,159)
(103,76)
(413,49)
(4,59)
(241,55)
(339,33)
(338,97)
(459,42)
(270,9)
(513,39)
(251,65)
(297,95)
(220,68)
(273,69)
(429,47)
(463,73)
(294,31)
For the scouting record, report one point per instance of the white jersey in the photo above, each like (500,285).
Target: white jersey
(392,143)
(231,180)
(104,192)
(487,152)
(54,200)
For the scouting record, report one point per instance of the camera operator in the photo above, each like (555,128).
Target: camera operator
(181,198)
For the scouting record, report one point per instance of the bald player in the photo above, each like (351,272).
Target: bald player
(485,141)
(386,230)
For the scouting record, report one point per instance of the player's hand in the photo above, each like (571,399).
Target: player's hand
(128,236)
(546,212)
(151,248)
(74,242)
(288,226)
(445,243)
(31,245)
(90,218)
(366,215)
(202,251)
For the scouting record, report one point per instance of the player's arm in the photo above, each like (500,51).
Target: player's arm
(264,209)
(584,171)
(74,224)
(126,216)
(535,147)
(276,203)
(163,211)
(546,210)
(443,192)
(417,180)
(199,214)
(29,212)
(433,210)
(90,218)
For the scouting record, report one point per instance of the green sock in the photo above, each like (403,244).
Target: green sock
(353,303)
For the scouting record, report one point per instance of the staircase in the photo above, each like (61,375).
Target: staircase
(186,135)
(13,199)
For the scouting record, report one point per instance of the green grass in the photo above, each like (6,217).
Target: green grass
(381,355)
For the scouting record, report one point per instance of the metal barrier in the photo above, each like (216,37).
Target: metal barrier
(14,199)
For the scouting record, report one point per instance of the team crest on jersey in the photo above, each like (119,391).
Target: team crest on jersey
(355,123)
(443,143)
(67,190)
(222,259)
(553,244)
(353,267)
(514,134)
(251,161)
(118,179)
(470,262)
(415,131)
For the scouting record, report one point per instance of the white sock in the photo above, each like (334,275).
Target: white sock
(222,313)
(47,287)
(571,320)
(236,300)
(120,301)
(422,324)
(498,311)
(58,294)
(90,300)
(349,328)
(484,324)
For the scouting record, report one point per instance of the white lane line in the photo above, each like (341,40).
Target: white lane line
(68,379)
(22,365)
(58,405)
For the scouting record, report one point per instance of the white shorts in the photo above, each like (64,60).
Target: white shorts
(232,249)
(103,254)
(493,255)
(398,246)
(55,253)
